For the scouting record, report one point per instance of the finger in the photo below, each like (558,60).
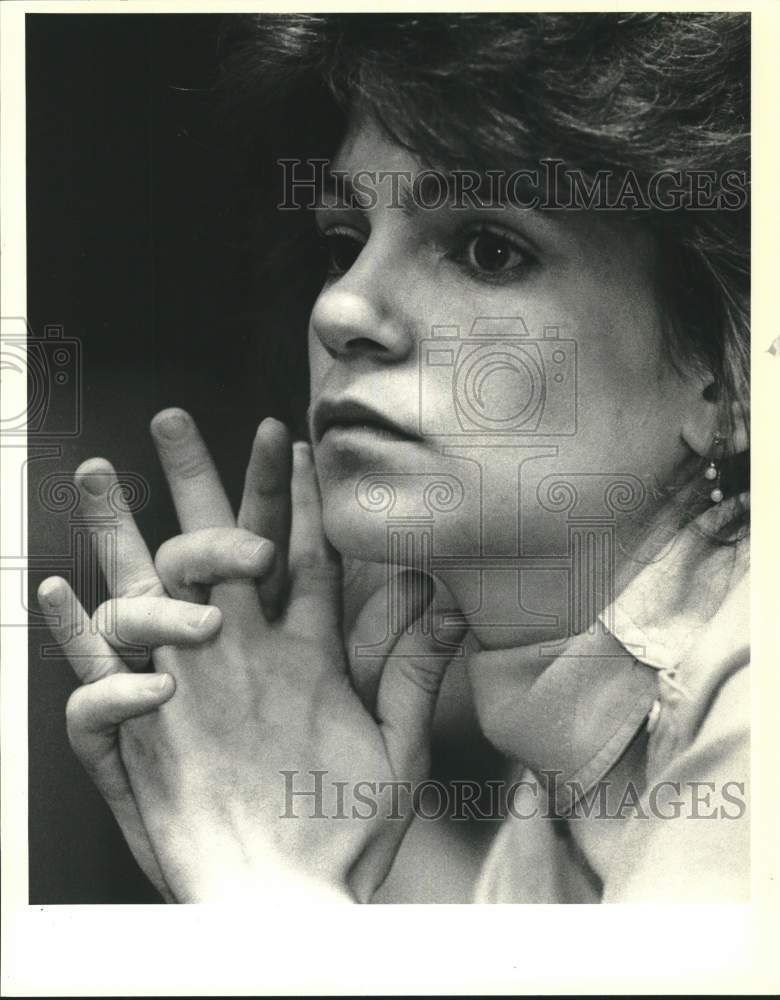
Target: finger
(93,716)
(194,482)
(96,710)
(155,621)
(386,616)
(360,581)
(188,564)
(122,552)
(409,688)
(84,648)
(200,501)
(315,566)
(266,506)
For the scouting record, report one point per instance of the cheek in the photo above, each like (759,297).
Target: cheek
(318,357)
(630,403)
(631,406)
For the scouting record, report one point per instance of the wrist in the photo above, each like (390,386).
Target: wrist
(228,872)
(272,883)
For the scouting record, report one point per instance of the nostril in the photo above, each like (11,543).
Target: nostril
(364,345)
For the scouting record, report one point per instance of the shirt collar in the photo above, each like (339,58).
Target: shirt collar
(683,580)
(571,717)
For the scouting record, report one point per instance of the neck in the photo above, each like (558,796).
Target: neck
(528,603)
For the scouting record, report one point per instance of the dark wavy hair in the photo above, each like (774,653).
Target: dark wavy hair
(643,92)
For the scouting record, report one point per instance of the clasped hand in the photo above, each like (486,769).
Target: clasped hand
(254,683)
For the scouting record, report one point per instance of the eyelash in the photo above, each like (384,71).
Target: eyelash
(326,238)
(457,254)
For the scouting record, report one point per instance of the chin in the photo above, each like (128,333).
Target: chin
(354,536)
(390,528)
(361,535)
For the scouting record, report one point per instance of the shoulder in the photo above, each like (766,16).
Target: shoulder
(693,845)
(707,695)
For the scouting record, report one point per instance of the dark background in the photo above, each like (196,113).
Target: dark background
(141,246)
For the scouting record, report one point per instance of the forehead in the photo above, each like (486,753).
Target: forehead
(366,146)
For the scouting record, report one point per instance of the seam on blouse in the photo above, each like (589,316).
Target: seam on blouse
(647,642)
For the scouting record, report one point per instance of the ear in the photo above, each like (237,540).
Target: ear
(739,438)
(706,418)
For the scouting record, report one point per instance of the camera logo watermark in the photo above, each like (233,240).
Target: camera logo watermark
(43,409)
(51,368)
(538,379)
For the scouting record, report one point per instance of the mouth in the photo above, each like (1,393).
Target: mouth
(347,416)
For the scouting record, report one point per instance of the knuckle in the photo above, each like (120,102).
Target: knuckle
(73,705)
(143,584)
(426,678)
(316,562)
(175,553)
(167,553)
(272,489)
(308,502)
(191,465)
(104,617)
(75,712)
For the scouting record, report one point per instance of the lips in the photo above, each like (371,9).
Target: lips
(349,414)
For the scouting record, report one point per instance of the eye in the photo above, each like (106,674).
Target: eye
(492,253)
(343,247)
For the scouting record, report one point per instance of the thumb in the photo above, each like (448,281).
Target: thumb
(391,611)
(94,714)
(411,679)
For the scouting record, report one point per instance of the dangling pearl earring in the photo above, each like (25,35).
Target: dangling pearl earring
(712,472)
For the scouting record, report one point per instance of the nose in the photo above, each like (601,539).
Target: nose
(361,316)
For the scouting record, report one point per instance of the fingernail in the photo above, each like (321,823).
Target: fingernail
(172,425)
(158,683)
(250,549)
(95,483)
(51,592)
(204,618)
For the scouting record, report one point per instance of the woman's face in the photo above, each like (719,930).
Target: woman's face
(563,380)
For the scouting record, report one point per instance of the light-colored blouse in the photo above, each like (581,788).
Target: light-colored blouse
(632,747)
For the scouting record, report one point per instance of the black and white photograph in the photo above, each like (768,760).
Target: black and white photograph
(377,469)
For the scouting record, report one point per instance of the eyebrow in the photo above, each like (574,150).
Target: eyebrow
(338,184)
(486,195)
